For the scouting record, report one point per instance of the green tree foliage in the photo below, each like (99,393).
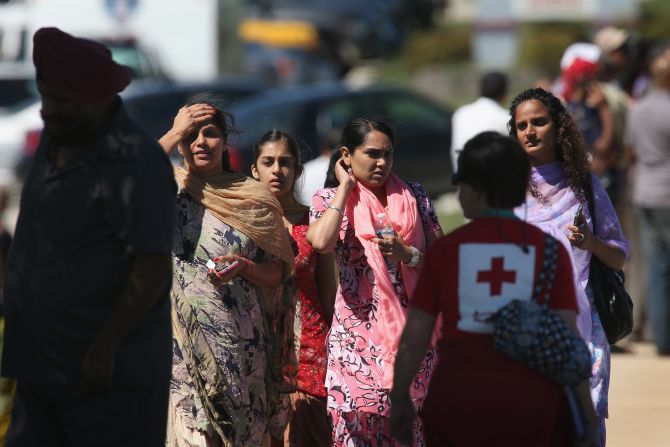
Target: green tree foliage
(543,44)
(446,44)
(654,20)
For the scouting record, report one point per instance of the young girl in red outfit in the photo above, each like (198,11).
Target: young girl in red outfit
(277,165)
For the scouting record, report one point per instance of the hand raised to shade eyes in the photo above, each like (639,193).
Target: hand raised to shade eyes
(190,117)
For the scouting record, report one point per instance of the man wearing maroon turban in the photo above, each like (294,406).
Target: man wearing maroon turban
(78,81)
(88,333)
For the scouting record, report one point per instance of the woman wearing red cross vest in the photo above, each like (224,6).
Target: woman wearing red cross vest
(478,397)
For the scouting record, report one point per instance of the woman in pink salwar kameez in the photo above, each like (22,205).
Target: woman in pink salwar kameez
(376,278)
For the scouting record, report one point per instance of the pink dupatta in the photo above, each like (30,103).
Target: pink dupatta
(403,212)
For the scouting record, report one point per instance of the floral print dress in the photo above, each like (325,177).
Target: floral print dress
(358,407)
(219,362)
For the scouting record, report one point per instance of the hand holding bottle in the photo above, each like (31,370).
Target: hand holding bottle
(391,246)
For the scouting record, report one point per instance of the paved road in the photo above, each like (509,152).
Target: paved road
(639,399)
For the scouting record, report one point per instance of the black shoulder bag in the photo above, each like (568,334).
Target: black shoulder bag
(614,305)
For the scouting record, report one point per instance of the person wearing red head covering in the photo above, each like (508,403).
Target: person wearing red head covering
(78,68)
(86,299)
(78,81)
(586,100)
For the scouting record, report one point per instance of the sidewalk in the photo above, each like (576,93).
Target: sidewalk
(639,399)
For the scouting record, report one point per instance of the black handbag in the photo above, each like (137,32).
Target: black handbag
(535,335)
(614,305)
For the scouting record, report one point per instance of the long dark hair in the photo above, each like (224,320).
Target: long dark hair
(571,151)
(357,130)
(276,135)
(331,179)
(225,121)
(354,134)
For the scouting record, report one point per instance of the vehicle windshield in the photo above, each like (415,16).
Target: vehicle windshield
(15,94)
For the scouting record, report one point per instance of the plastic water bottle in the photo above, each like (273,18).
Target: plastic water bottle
(383,226)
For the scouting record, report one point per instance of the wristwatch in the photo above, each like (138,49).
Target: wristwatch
(414,260)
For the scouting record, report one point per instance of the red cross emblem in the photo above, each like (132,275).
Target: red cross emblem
(496,276)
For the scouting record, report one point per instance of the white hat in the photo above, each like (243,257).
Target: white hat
(587,51)
(610,38)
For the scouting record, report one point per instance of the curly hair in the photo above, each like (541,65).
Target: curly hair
(571,150)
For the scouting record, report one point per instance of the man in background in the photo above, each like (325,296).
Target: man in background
(88,332)
(314,171)
(648,134)
(486,113)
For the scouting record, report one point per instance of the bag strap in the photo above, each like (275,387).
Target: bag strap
(547,270)
(590,200)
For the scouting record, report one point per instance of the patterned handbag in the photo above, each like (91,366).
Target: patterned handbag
(535,335)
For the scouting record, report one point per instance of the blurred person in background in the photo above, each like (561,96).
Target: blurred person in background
(7,385)
(648,134)
(485,113)
(479,397)
(277,165)
(625,56)
(377,276)
(599,107)
(86,301)
(619,103)
(560,182)
(232,359)
(586,101)
(314,172)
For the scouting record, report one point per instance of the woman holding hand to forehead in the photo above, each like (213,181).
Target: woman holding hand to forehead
(560,182)
(230,352)
(376,278)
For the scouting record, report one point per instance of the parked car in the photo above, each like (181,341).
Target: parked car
(152,103)
(17,78)
(15,125)
(347,31)
(312,112)
(17,85)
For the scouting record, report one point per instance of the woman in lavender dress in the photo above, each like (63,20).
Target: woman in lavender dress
(560,183)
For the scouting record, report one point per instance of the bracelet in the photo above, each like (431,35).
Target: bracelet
(176,132)
(414,260)
(336,209)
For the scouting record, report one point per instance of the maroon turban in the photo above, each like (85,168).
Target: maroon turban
(77,68)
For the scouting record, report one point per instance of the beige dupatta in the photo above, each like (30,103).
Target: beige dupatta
(248,206)
(243,204)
